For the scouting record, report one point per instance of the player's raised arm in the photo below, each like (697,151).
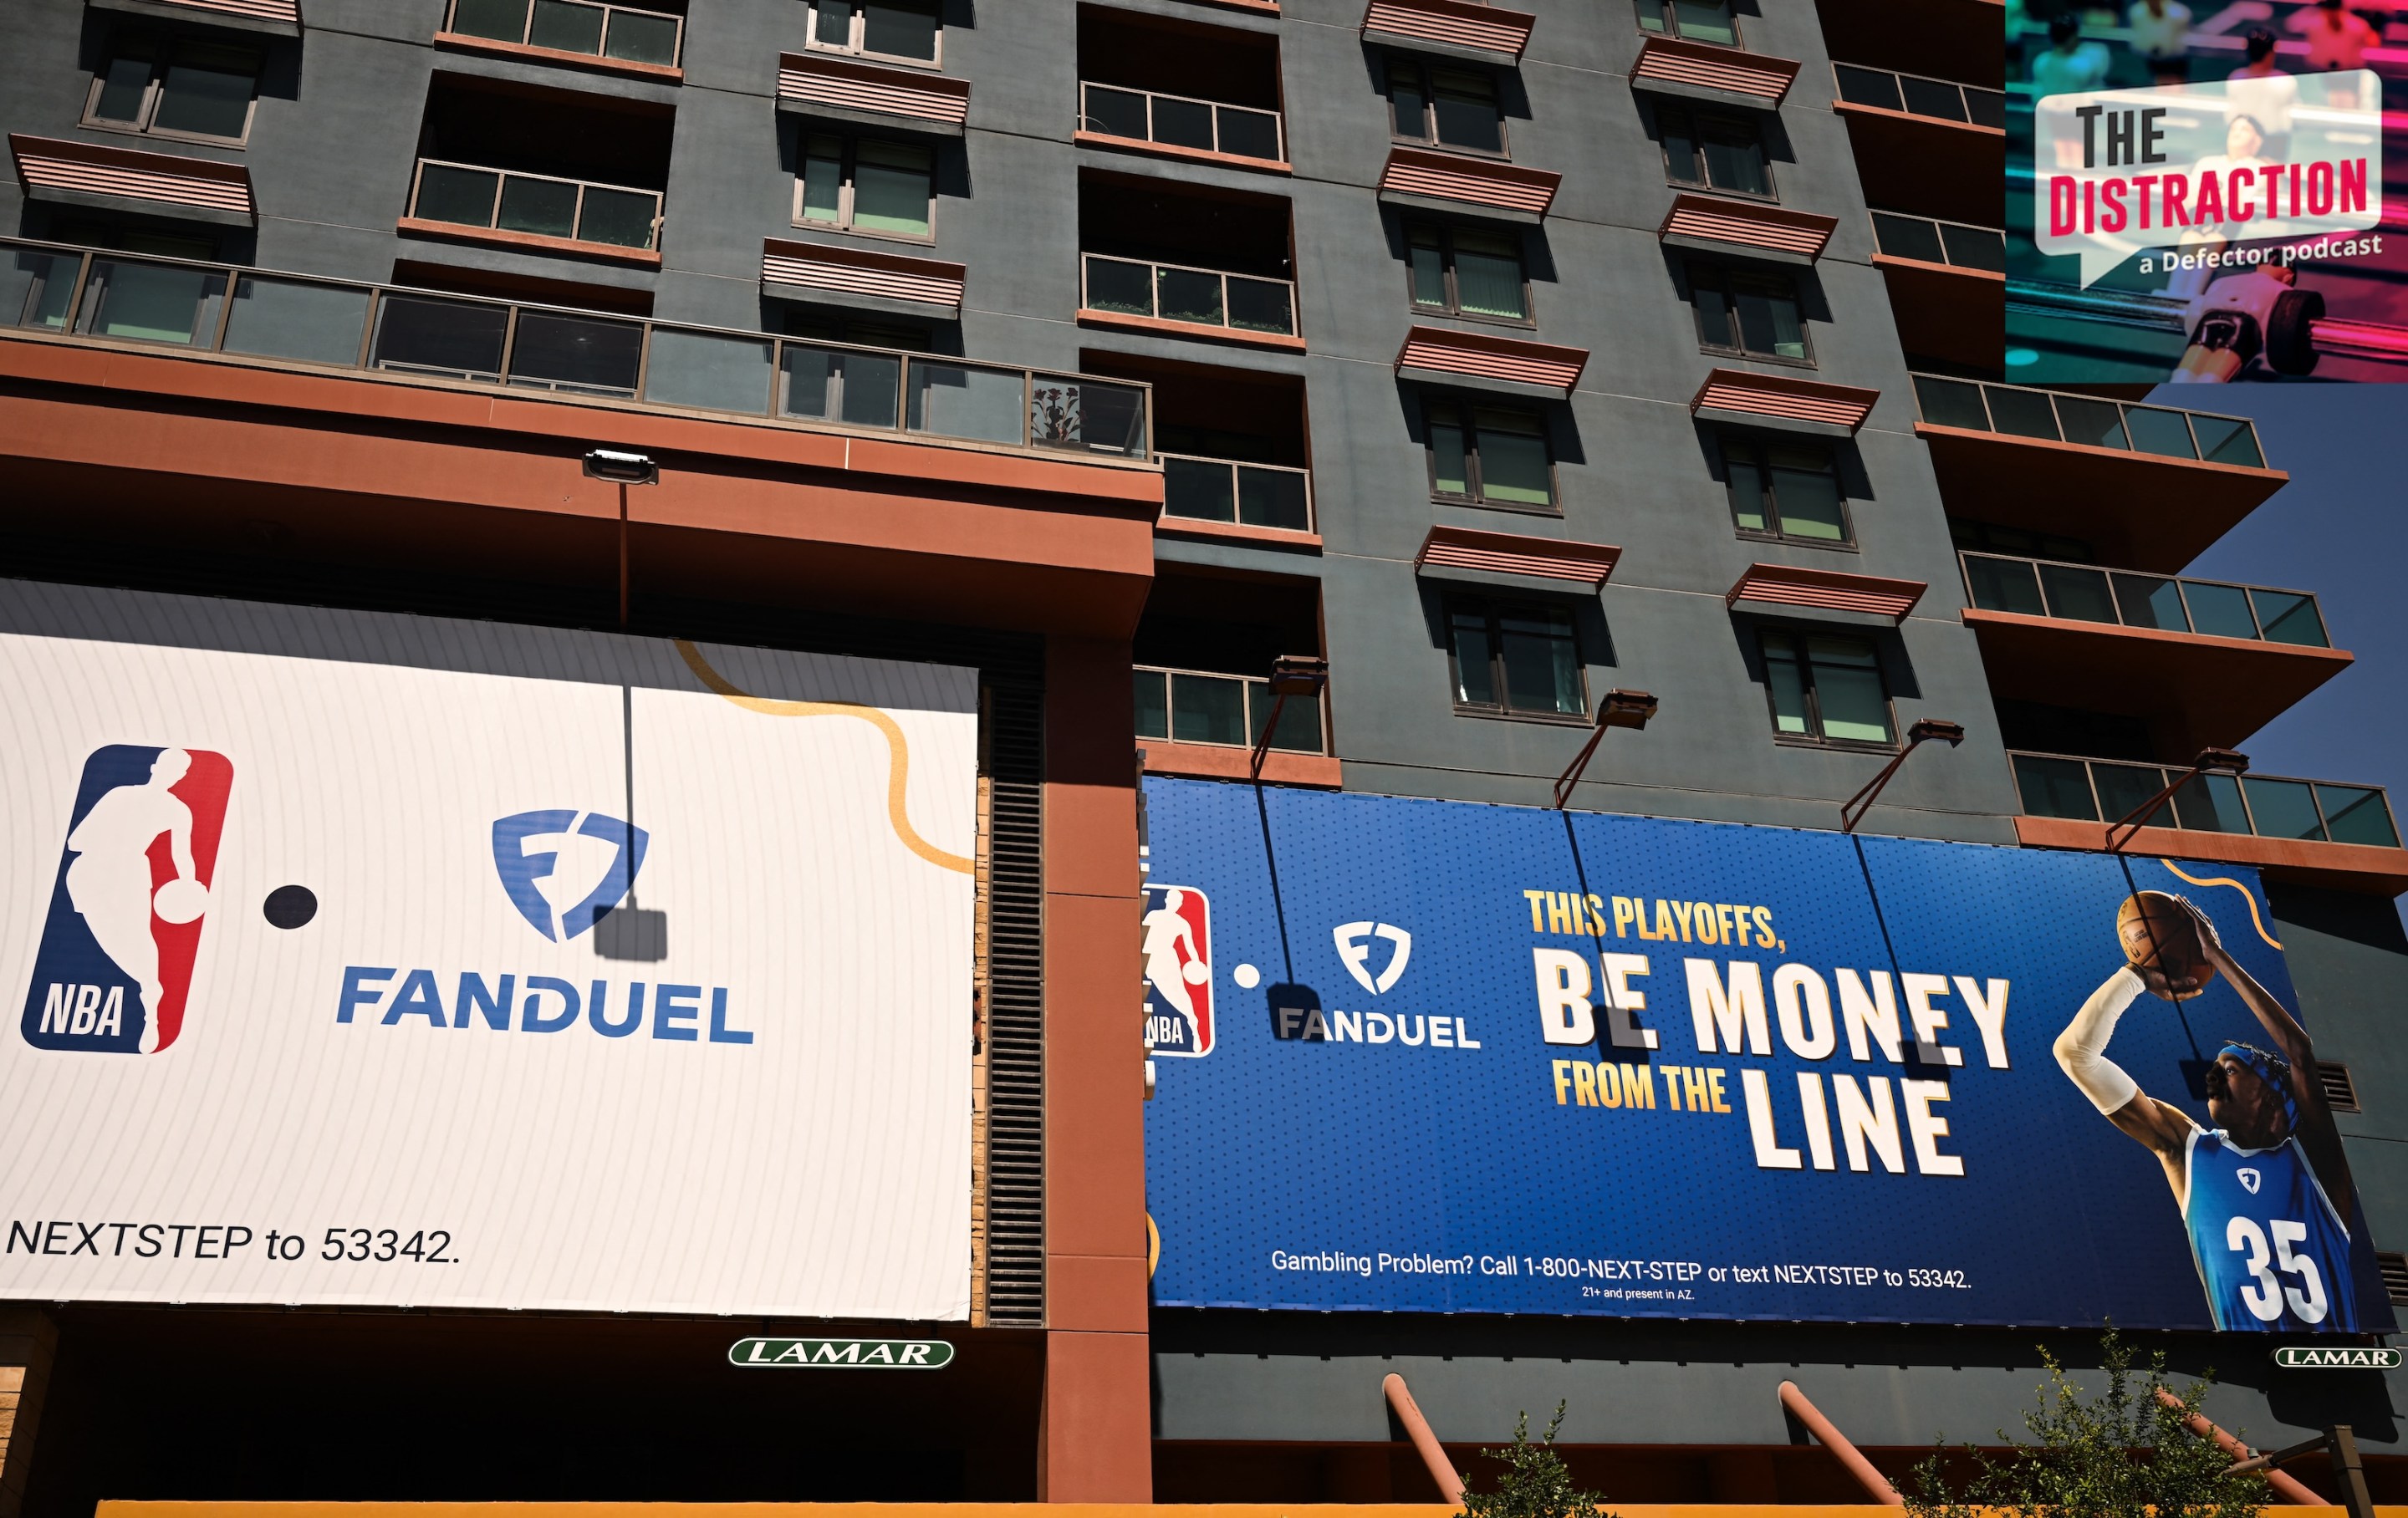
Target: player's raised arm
(2317,1132)
(2082,1054)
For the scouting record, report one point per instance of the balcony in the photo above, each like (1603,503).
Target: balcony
(2315,831)
(1235,456)
(1180,127)
(1180,88)
(565,215)
(1193,706)
(410,433)
(395,332)
(1194,721)
(1924,144)
(2205,662)
(1947,287)
(1180,298)
(1268,497)
(542,169)
(616,38)
(2152,486)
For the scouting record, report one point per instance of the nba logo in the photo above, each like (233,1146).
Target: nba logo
(133,887)
(1178,971)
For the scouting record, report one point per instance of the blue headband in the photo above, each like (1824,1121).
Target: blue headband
(2270,1068)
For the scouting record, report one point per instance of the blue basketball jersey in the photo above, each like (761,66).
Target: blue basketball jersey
(2271,1252)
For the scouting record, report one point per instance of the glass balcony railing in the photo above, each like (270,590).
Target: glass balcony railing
(503,200)
(1225,490)
(1933,241)
(1174,293)
(2085,592)
(1189,706)
(602,31)
(220,308)
(2265,806)
(1942,100)
(1180,121)
(2052,416)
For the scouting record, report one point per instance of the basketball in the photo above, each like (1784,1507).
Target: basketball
(180,901)
(1195,973)
(2158,934)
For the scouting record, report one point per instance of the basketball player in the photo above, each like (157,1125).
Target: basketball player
(1166,932)
(110,882)
(2257,1190)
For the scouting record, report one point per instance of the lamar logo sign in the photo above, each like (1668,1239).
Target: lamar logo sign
(2338,1359)
(843,1353)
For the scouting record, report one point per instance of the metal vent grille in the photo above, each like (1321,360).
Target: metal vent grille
(1015,1197)
(2395,1275)
(2341,1091)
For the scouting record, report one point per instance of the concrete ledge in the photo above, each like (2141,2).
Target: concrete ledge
(2342,867)
(1212,762)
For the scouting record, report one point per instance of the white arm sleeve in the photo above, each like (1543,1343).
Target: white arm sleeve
(2081,1048)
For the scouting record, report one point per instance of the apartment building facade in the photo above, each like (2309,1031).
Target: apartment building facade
(1420,371)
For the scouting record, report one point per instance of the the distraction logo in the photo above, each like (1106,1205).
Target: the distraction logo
(133,889)
(562,899)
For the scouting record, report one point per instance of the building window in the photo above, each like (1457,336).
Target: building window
(1826,690)
(1713,151)
(1489,455)
(1517,658)
(1451,107)
(867,186)
(1784,489)
(1691,20)
(1740,311)
(905,31)
(175,89)
(1467,273)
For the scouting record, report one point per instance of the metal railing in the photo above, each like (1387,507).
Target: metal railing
(2052,416)
(342,325)
(1943,100)
(504,200)
(1931,240)
(2086,592)
(1193,706)
(2265,806)
(1182,121)
(604,31)
(1177,292)
(1225,490)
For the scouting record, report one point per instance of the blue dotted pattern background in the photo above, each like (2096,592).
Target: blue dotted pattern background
(1305,1146)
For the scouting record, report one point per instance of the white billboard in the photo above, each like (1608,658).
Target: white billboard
(378,959)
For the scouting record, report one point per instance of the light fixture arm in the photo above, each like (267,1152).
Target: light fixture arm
(1620,709)
(2223,760)
(1852,810)
(1292,674)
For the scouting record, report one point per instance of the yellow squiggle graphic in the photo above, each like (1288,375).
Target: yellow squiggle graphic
(898,749)
(2247,894)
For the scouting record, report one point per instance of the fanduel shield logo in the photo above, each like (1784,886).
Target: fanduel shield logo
(127,905)
(564,870)
(1355,951)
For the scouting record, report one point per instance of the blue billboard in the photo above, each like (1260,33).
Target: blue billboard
(1438,1056)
